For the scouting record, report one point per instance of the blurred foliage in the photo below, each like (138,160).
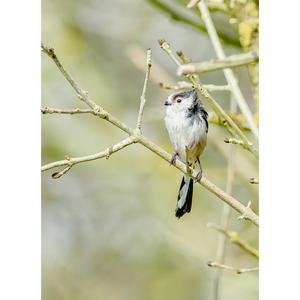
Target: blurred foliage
(108,227)
(245,14)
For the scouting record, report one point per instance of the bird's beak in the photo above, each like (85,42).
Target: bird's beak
(167,103)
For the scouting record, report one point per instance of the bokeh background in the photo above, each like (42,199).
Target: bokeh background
(108,226)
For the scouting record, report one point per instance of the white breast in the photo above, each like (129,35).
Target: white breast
(183,132)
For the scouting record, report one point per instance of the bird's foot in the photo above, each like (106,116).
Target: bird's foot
(198,176)
(173,159)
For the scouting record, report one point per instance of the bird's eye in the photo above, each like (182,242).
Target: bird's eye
(179,100)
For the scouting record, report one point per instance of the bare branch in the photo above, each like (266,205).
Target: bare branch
(80,93)
(234,238)
(83,95)
(230,77)
(227,121)
(237,142)
(137,56)
(50,110)
(216,88)
(136,137)
(243,216)
(182,85)
(143,96)
(233,141)
(57,175)
(214,264)
(159,75)
(231,201)
(183,58)
(76,160)
(232,61)
(238,119)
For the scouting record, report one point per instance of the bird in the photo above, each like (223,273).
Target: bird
(187,126)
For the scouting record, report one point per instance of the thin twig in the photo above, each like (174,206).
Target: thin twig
(216,88)
(233,141)
(238,119)
(50,110)
(236,142)
(137,56)
(57,175)
(83,95)
(227,121)
(230,77)
(232,61)
(243,216)
(234,238)
(143,96)
(183,85)
(159,75)
(182,56)
(76,160)
(186,60)
(246,212)
(214,264)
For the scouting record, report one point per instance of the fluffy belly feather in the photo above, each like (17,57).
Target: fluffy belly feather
(187,134)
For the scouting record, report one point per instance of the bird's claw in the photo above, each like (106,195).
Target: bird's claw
(198,176)
(173,159)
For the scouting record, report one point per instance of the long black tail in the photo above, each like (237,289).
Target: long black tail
(185,196)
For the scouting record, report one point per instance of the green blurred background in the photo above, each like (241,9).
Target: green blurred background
(108,226)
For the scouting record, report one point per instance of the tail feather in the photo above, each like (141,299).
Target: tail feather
(185,196)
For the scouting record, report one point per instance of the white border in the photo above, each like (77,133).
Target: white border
(280,150)
(20,150)
(20,226)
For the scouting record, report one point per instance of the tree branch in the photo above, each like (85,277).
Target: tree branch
(236,142)
(76,160)
(230,77)
(226,267)
(238,119)
(143,99)
(183,85)
(57,175)
(245,211)
(225,119)
(50,110)
(234,238)
(83,95)
(231,61)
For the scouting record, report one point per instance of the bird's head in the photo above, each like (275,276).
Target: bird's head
(182,101)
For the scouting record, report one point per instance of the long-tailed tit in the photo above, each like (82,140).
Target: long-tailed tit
(186,122)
